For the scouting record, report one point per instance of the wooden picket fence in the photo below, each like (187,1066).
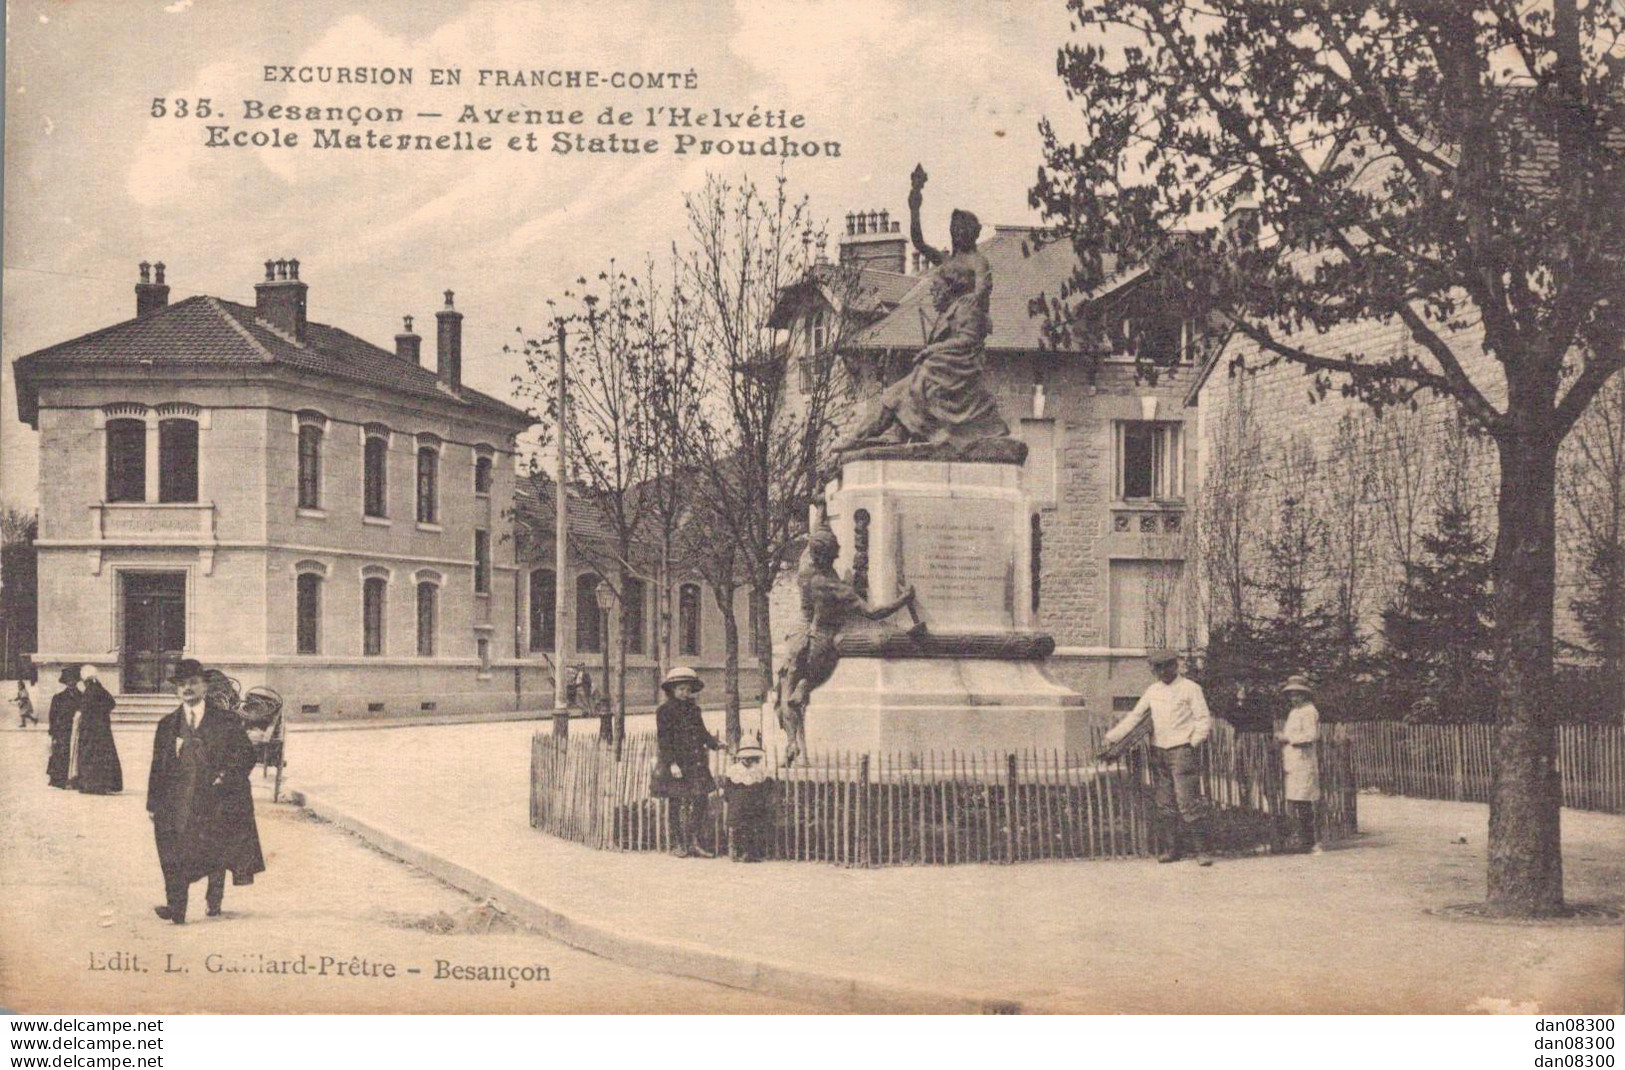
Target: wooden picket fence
(940,807)
(1457,761)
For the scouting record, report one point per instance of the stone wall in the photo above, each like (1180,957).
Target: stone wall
(1375,480)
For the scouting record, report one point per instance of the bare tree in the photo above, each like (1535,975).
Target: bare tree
(1401,487)
(1347,488)
(757,461)
(1226,521)
(610,434)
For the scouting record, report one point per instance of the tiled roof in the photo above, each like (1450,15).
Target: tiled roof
(534,502)
(1022,270)
(205,330)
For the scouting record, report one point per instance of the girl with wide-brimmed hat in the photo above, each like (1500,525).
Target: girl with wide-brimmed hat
(1299,737)
(682,768)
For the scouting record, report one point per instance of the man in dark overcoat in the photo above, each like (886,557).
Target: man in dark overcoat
(199,797)
(64,704)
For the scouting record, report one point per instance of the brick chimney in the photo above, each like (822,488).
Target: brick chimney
(280,299)
(408,345)
(874,239)
(151,296)
(449,345)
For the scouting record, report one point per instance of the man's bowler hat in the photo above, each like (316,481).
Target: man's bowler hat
(185,669)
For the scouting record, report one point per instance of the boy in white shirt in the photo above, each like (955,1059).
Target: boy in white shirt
(1180,722)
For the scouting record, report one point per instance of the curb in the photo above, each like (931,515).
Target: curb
(782,980)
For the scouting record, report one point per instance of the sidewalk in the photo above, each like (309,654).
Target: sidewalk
(1342,932)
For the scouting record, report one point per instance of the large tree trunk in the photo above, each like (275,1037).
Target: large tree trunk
(759,593)
(1526,861)
(730,662)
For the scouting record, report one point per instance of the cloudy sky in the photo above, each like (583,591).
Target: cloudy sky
(94,184)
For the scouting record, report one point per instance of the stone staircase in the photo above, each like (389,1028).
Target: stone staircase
(142,709)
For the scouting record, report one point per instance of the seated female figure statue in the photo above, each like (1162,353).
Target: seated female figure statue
(944,398)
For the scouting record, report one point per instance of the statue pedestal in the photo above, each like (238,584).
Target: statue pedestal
(961,533)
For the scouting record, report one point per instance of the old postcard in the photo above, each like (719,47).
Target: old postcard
(824,507)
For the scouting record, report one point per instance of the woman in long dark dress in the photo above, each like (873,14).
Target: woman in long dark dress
(683,769)
(64,704)
(97,769)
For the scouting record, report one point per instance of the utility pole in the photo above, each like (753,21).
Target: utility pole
(561,530)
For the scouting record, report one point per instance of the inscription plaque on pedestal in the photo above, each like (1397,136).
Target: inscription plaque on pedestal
(960,556)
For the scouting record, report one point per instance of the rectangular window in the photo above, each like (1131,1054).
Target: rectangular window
(177,461)
(688,620)
(427,593)
(1146,604)
(637,621)
(428,464)
(482,475)
(126,460)
(309,612)
(543,620)
(482,561)
(753,627)
(375,477)
(372,616)
(310,467)
(482,647)
(1150,462)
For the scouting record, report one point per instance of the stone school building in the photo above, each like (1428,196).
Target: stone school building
(278,498)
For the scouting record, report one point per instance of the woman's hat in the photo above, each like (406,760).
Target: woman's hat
(87,672)
(682,674)
(70,675)
(1297,683)
(749,752)
(185,669)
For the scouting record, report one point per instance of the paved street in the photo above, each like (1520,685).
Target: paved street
(79,878)
(1345,931)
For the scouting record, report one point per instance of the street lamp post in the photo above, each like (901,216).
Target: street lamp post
(606,599)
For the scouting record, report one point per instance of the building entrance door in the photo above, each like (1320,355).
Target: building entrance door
(154,629)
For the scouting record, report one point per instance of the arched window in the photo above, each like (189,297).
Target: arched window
(543,592)
(428,592)
(177,461)
(589,619)
(428,470)
(688,619)
(310,466)
(482,475)
(637,621)
(309,613)
(126,460)
(375,475)
(373,590)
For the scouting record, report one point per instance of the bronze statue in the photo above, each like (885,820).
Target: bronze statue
(943,400)
(828,602)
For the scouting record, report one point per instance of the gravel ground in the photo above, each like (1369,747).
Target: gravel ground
(1347,931)
(79,877)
